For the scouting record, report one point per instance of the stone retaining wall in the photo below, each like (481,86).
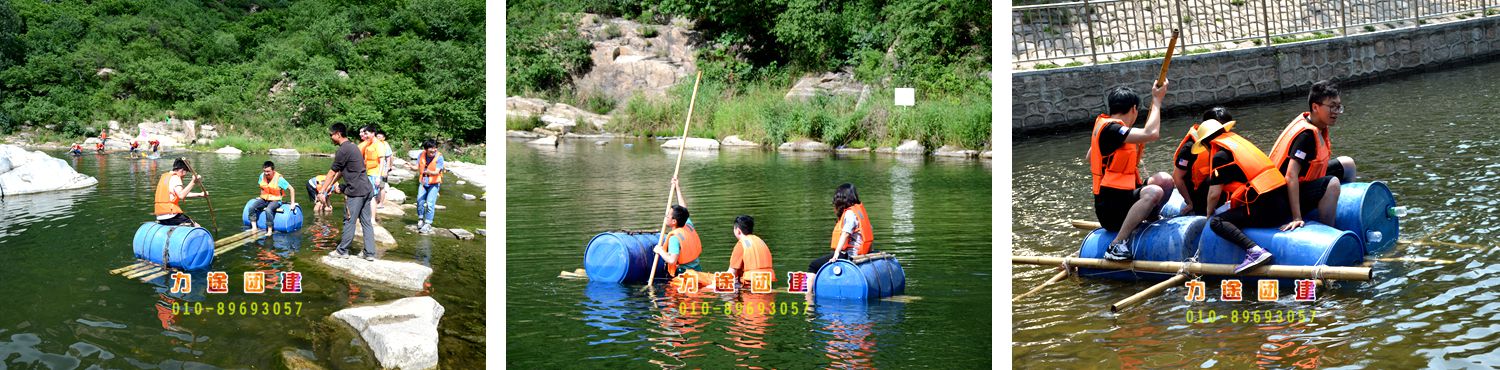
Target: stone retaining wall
(1069,98)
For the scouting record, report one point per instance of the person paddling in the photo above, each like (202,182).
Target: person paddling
(170,191)
(751,255)
(852,234)
(1190,172)
(1255,190)
(272,188)
(348,165)
(1302,153)
(1121,200)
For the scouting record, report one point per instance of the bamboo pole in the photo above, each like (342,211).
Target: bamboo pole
(1148,293)
(672,190)
(1090,225)
(1171,46)
(1055,278)
(1213,269)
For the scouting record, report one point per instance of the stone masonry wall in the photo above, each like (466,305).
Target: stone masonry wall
(1069,98)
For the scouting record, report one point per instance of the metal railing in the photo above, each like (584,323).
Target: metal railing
(1092,32)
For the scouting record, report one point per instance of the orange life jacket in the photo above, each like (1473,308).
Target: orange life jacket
(1198,173)
(371,151)
(270,190)
(99,146)
(687,241)
(1261,174)
(166,202)
(423,166)
(865,231)
(755,256)
(1317,166)
(1116,170)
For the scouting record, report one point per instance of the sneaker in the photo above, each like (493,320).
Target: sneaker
(426,229)
(1256,257)
(338,254)
(369,257)
(1118,252)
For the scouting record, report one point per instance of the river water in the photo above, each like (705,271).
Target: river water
(934,215)
(63,310)
(1429,136)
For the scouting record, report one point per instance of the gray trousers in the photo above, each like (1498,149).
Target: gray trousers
(357,207)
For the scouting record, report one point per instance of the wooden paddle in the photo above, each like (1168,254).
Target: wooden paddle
(672,191)
(1171,46)
(203,183)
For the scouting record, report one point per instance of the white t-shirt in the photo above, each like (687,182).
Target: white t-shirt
(851,226)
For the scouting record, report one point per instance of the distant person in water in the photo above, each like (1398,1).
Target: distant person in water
(852,234)
(320,206)
(135,147)
(272,188)
(170,191)
(76,150)
(155,145)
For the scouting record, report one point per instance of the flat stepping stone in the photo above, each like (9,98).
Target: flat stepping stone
(461,234)
(402,334)
(403,275)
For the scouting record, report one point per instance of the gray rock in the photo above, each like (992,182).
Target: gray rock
(474,173)
(601,142)
(36,172)
(382,237)
(285,152)
(414,153)
(829,83)
(389,209)
(479,231)
(483,213)
(546,141)
(468,196)
(693,143)
(396,274)
(296,360)
(852,150)
(734,140)
(953,151)
(804,145)
(461,234)
(525,107)
(394,195)
(986,154)
(403,334)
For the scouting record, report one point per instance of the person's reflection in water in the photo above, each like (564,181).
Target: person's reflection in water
(682,320)
(751,324)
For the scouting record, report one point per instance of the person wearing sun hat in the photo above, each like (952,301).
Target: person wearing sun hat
(1243,175)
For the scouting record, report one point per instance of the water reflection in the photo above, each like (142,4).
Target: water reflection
(18,212)
(854,327)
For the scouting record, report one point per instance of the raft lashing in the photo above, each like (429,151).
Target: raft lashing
(288,219)
(1367,224)
(870,277)
(181,247)
(622,257)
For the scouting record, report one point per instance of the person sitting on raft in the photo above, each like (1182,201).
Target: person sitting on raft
(319,207)
(272,188)
(1256,191)
(681,247)
(852,235)
(1121,200)
(751,255)
(1302,154)
(1190,173)
(170,191)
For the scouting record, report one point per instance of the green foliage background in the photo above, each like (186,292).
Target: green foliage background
(415,67)
(756,49)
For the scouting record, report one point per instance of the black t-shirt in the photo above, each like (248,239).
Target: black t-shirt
(1225,173)
(1111,138)
(1304,148)
(350,164)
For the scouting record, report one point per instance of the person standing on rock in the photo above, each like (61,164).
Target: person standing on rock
(349,165)
(429,169)
(272,188)
(369,149)
(1121,199)
(170,191)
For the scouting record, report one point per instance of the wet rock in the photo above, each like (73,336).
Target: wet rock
(468,196)
(852,150)
(601,142)
(734,140)
(229,150)
(26,172)
(382,237)
(297,360)
(986,154)
(804,145)
(474,173)
(461,234)
(285,152)
(389,209)
(693,143)
(907,147)
(479,231)
(402,334)
(546,141)
(483,213)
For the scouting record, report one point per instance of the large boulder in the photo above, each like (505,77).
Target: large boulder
(408,276)
(382,237)
(520,107)
(630,63)
(476,174)
(908,147)
(395,195)
(829,83)
(26,172)
(734,140)
(693,143)
(229,150)
(389,209)
(403,334)
(956,152)
(804,145)
(545,141)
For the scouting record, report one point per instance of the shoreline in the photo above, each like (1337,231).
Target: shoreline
(908,148)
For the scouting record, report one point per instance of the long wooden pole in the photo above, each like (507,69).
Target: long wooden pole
(204,184)
(1171,46)
(1090,225)
(671,190)
(1148,293)
(1055,278)
(1347,273)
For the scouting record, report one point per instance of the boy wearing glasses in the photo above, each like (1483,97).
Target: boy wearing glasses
(1303,153)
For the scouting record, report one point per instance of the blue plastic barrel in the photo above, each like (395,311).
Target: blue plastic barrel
(622,257)
(1366,208)
(1173,208)
(869,280)
(289,219)
(1311,245)
(187,248)
(1173,239)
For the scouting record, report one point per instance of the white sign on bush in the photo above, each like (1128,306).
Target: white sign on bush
(906,96)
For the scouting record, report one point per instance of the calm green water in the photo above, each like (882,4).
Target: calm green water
(934,215)
(1431,137)
(63,310)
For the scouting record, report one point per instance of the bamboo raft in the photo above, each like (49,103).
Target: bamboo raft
(146,271)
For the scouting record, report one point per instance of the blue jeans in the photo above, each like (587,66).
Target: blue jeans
(269,206)
(427,201)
